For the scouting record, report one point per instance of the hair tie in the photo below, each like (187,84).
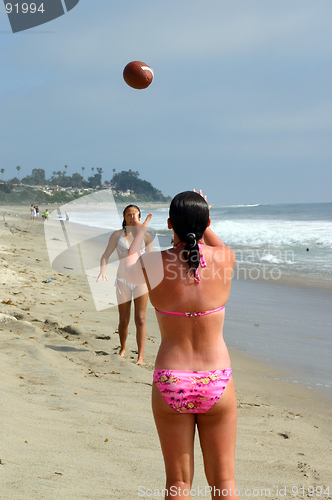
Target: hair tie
(192,236)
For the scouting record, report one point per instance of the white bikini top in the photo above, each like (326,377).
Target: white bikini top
(122,246)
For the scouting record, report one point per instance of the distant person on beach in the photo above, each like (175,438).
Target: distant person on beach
(67,218)
(46,214)
(126,291)
(33,212)
(192,381)
(37,211)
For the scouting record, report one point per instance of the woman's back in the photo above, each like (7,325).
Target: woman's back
(193,342)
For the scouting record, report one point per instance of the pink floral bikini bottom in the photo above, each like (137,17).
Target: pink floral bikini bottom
(191,392)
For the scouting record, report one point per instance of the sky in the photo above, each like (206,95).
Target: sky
(240,105)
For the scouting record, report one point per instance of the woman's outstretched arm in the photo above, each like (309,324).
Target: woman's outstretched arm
(112,242)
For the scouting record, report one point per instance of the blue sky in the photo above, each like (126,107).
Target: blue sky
(240,105)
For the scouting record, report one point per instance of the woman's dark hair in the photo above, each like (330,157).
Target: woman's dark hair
(124,213)
(189,215)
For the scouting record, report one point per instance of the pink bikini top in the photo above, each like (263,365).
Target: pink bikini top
(197,280)
(190,314)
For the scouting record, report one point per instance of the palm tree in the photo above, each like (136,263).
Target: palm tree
(83,172)
(66,166)
(18,171)
(2,171)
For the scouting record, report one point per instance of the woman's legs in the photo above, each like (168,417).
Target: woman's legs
(124,305)
(176,433)
(217,434)
(140,303)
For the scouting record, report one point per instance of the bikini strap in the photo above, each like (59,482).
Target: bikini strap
(202,260)
(190,314)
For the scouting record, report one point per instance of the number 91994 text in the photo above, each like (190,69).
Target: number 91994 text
(25,8)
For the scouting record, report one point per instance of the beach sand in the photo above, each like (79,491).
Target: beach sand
(75,417)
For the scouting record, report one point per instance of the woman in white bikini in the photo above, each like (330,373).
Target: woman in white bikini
(192,381)
(126,291)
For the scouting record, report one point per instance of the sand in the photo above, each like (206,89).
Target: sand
(75,417)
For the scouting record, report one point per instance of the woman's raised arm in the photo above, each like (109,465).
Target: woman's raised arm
(133,269)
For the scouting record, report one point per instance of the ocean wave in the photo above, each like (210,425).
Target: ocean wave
(275,233)
(241,206)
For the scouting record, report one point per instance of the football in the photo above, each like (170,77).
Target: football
(138,75)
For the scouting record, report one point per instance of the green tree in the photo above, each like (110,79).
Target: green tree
(129,180)
(94,181)
(37,177)
(56,177)
(14,180)
(76,180)
(97,177)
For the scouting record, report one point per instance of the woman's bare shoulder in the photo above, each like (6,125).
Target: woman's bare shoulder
(114,238)
(223,255)
(116,234)
(156,257)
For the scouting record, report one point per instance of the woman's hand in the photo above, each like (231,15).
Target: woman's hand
(147,220)
(201,193)
(145,223)
(102,274)
(140,228)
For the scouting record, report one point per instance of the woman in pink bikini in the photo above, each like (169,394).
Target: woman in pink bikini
(126,291)
(192,381)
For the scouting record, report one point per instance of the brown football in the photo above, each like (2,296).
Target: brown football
(138,75)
